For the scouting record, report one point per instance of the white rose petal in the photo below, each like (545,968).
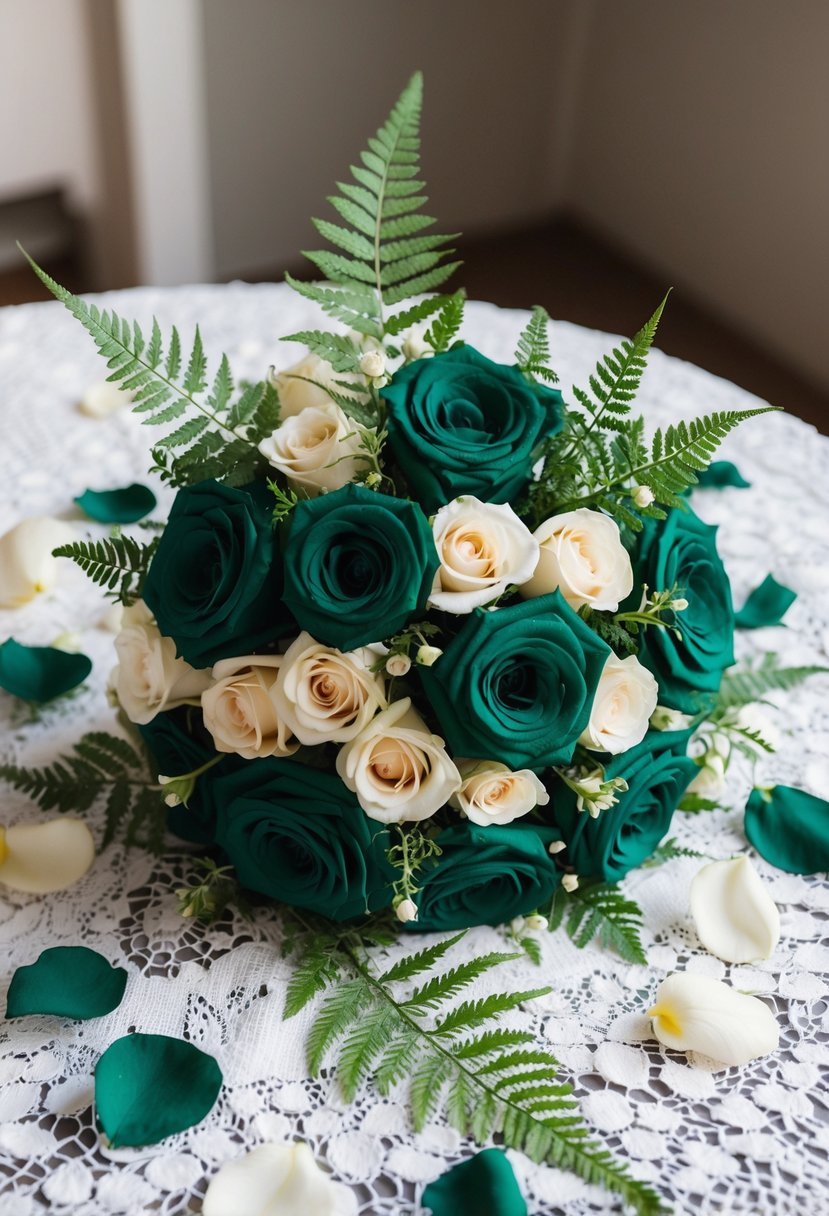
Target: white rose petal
(103,399)
(695,1013)
(735,917)
(492,793)
(239,710)
(710,780)
(26,563)
(297,392)
(43,857)
(326,696)
(316,449)
(483,548)
(272,1180)
(624,701)
(149,678)
(398,770)
(583,555)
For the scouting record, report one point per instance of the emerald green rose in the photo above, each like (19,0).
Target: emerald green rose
(358,566)
(658,773)
(486,876)
(460,424)
(681,551)
(517,684)
(179,744)
(214,583)
(297,835)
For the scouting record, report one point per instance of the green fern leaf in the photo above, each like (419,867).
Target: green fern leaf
(439,987)
(338,1012)
(119,564)
(413,965)
(532,355)
(341,352)
(600,910)
(470,1014)
(752,683)
(447,323)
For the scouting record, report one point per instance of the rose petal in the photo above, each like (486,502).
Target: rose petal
(124,506)
(735,917)
(40,673)
(695,1013)
(45,857)
(274,1178)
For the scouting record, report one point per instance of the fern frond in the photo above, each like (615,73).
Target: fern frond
(532,355)
(341,352)
(439,987)
(415,313)
(667,851)
(119,563)
(446,325)
(749,684)
(317,967)
(600,910)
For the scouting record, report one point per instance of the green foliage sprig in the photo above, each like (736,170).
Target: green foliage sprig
(532,355)
(600,911)
(119,563)
(404,1022)
(99,764)
(753,683)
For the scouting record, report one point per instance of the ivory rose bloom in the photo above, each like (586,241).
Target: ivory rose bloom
(316,448)
(26,563)
(622,707)
(483,548)
(582,553)
(239,710)
(492,793)
(149,678)
(296,391)
(398,770)
(326,696)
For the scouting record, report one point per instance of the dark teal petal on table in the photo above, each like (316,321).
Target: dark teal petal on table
(484,1185)
(124,506)
(39,673)
(69,981)
(766,605)
(721,474)
(789,828)
(150,1086)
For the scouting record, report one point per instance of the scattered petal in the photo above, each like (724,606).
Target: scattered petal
(124,506)
(790,828)
(722,473)
(69,981)
(766,605)
(149,1086)
(483,1183)
(695,1013)
(40,673)
(103,399)
(735,917)
(27,566)
(274,1178)
(40,858)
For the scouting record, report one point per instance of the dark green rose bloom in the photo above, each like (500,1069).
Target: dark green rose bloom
(179,744)
(486,876)
(681,551)
(517,684)
(358,565)
(297,835)
(658,773)
(214,584)
(460,424)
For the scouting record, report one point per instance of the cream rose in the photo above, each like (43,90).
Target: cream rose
(239,710)
(398,770)
(492,793)
(326,696)
(316,448)
(583,555)
(624,701)
(26,563)
(306,384)
(149,678)
(483,548)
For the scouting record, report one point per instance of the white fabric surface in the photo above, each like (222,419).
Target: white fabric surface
(746,1140)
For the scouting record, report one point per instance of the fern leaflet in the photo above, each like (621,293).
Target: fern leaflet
(751,684)
(597,909)
(119,563)
(532,355)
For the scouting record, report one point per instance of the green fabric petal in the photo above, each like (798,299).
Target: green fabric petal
(150,1086)
(720,474)
(39,673)
(124,506)
(766,605)
(485,1184)
(69,981)
(790,828)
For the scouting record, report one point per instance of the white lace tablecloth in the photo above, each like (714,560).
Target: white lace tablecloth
(748,1140)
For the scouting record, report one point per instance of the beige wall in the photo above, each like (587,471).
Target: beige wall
(702,144)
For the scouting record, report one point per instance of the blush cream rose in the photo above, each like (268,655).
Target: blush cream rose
(583,555)
(149,679)
(483,549)
(399,771)
(239,710)
(326,696)
(624,701)
(317,449)
(306,384)
(492,793)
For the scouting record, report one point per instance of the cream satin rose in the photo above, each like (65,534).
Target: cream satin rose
(239,710)
(492,793)
(624,701)
(27,566)
(582,554)
(326,696)
(149,678)
(483,549)
(317,449)
(398,770)
(305,384)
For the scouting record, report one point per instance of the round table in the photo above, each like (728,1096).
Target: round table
(736,1140)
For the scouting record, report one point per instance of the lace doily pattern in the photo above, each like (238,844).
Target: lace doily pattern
(747,1140)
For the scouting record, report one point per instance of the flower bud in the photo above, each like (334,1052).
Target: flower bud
(679,604)
(556,846)
(406,911)
(373,364)
(570,882)
(642,497)
(536,923)
(414,345)
(517,925)
(664,718)
(428,655)
(398,665)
